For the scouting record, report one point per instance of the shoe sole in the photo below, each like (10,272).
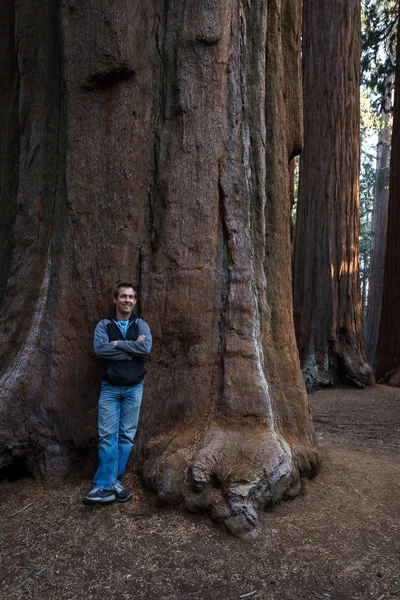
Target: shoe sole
(123,499)
(89,501)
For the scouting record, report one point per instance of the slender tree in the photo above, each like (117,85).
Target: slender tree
(380,19)
(388,346)
(378,241)
(327,305)
(152,140)
(367,185)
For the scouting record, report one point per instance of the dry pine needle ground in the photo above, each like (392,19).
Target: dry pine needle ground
(339,540)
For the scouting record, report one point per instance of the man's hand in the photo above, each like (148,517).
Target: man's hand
(140,339)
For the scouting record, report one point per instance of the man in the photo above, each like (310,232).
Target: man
(121,341)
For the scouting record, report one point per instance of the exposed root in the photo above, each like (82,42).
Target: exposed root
(355,366)
(392,377)
(343,362)
(231,473)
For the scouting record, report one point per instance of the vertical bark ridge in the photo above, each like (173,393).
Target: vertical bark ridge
(37,180)
(9,139)
(25,343)
(243,349)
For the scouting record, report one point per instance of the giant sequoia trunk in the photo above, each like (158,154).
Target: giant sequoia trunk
(151,140)
(327,304)
(388,347)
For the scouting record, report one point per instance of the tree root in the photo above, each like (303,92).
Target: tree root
(228,472)
(391,378)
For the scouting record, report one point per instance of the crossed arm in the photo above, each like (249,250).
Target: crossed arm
(141,346)
(121,349)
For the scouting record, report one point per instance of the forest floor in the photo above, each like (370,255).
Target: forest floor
(338,540)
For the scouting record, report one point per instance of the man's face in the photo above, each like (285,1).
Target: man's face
(125,302)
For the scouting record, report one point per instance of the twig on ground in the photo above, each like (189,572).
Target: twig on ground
(248,594)
(22,510)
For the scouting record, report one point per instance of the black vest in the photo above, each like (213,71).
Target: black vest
(123,372)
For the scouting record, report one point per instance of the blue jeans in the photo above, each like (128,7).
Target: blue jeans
(119,409)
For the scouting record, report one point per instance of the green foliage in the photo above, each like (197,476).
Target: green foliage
(378,42)
(367,185)
(370,124)
(378,49)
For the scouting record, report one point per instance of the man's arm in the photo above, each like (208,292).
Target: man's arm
(141,346)
(104,348)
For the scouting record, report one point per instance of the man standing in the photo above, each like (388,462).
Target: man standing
(121,341)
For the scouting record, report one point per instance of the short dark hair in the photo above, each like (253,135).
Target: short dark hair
(125,284)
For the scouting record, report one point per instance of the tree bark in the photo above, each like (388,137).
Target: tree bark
(378,243)
(327,304)
(160,153)
(388,347)
(379,220)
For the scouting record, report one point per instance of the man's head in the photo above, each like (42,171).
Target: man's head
(124,299)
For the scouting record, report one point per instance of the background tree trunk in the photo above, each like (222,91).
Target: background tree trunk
(327,303)
(378,244)
(388,346)
(154,140)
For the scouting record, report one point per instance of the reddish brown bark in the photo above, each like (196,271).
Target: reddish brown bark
(388,347)
(160,152)
(327,303)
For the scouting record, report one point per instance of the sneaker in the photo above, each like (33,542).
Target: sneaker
(121,494)
(99,496)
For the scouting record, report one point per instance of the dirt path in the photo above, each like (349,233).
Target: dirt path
(339,540)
